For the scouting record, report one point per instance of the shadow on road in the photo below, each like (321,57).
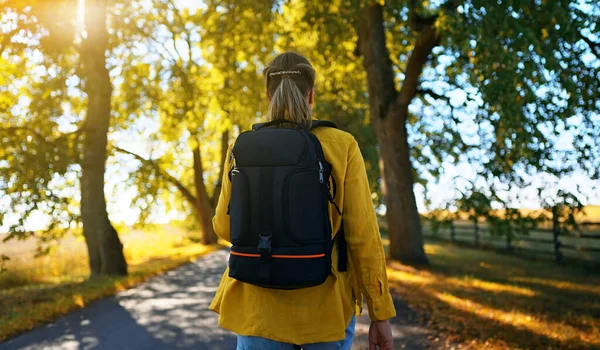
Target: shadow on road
(169,311)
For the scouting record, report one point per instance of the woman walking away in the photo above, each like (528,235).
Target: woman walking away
(297,208)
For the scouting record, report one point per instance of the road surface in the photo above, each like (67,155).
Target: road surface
(170,312)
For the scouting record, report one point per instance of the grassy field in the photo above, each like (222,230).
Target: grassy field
(482,300)
(37,290)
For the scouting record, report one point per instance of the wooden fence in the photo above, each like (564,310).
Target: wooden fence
(583,244)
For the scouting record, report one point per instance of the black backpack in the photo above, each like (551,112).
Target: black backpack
(280,190)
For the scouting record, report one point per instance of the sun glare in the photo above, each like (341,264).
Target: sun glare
(80,21)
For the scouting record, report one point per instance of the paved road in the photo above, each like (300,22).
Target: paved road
(169,312)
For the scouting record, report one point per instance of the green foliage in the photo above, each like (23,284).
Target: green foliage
(501,87)
(537,76)
(196,74)
(565,208)
(439,219)
(517,75)
(477,205)
(323,31)
(510,223)
(40,107)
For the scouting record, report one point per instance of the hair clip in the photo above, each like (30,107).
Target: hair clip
(285,72)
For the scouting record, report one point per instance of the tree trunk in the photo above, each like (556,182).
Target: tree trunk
(224,167)
(204,208)
(389,112)
(104,247)
(556,234)
(476,235)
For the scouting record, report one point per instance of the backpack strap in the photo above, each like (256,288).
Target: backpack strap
(342,245)
(315,124)
(341,240)
(259,126)
(323,123)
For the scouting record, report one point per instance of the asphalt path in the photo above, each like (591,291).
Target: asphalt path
(170,311)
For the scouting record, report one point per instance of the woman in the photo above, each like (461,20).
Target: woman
(320,317)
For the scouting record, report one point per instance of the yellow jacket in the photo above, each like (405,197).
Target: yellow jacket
(321,313)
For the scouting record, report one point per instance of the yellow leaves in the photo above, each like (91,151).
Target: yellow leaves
(544,33)
(78,300)
(334,6)
(349,46)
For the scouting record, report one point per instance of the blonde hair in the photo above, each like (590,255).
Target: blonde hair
(289,78)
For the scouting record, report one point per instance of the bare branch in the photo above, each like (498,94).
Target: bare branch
(188,40)
(184,191)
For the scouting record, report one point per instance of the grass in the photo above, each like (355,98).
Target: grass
(482,300)
(35,291)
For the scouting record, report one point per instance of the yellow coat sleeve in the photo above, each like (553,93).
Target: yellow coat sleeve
(221,218)
(365,246)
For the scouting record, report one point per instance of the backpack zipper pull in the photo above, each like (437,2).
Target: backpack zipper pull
(321,172)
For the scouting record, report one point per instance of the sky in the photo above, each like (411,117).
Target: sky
(439,191)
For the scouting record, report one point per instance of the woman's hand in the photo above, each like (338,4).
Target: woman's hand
(380,333)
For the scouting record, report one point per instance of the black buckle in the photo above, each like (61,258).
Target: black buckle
(264,245)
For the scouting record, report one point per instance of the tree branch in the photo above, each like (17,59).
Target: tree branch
(595,47)
(177,14)
(184,191)
(427,40)
(430,92)
(173,34)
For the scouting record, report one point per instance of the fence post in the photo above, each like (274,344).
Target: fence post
(476,233)
(508,243)
(555,234)
(452,232)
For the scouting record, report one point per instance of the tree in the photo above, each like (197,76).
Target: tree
(564,209)
(389,113)
(104,247)
(510,223)
(435,68)
(43,158)
(199,79)
(341,94)
(478,206)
